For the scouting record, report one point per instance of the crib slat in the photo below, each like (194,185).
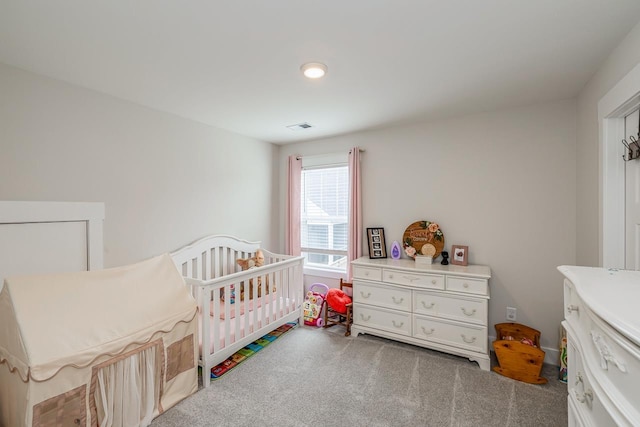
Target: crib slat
(207,265)
(198,267)
(205,308)
(227,316)
(189,264)
(277,300)
(238,317)
(216,323)
(225,271)
(267,308)
(216,265)
(250,316)
(243,321)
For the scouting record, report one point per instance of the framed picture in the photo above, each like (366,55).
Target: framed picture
(377,247)
(459,255)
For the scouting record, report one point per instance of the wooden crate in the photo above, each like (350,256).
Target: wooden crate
(516,360)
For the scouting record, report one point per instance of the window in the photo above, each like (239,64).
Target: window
(325,216)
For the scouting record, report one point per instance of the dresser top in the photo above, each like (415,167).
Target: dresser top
(481,271)
(613,295)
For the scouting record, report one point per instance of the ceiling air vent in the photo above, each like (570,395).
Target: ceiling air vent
(300,126)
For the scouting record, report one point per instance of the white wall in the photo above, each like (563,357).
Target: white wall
(165,180)
(503,183)
(589,212)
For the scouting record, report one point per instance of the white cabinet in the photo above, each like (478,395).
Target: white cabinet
(603,346)
(442,307)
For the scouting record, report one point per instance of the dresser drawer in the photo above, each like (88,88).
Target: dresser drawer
(421,280)
(450,333)
(614,361)
(367,273)
(584,399)
(468,285)
(573,306)
(380,318)
(382,296)
(471,310)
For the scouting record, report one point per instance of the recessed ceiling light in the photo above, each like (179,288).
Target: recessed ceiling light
(313,70)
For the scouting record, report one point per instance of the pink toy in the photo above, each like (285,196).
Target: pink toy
(314,304)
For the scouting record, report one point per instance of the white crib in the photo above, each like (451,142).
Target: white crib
(210,269)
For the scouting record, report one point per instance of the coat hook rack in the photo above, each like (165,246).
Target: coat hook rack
(633,148)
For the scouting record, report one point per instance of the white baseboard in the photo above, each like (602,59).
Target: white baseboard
(551,355)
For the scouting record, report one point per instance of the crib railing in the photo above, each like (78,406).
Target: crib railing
(241,316)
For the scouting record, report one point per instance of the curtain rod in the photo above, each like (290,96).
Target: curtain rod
(300,157)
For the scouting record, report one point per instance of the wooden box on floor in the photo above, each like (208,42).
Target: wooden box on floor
(517,360)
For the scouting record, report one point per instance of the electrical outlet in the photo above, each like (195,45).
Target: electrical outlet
(511,313)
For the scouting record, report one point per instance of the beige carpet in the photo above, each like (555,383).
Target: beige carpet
(316,377)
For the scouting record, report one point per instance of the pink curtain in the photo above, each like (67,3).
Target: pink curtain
(355,209)
(293,205)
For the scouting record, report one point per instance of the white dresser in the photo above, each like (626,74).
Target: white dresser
(602,319)
(442,307)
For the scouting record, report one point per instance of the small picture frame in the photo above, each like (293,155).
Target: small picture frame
(377,246)
(459,255)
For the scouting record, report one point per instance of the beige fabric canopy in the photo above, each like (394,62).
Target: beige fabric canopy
(63,324)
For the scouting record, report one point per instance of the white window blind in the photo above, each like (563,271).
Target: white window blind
(325,216)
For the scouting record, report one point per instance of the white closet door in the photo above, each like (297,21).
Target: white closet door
(46,247)
(632,200)
(50,237)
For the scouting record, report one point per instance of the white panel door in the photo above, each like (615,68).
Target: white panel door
(632,199)
(38,248)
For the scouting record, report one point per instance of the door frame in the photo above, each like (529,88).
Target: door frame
(621,100)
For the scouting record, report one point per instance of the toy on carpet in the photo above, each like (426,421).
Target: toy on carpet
(314,304)
(248,351)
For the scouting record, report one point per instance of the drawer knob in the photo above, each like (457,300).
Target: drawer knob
(391,276)
(397,301)
(428,306)
(571,308)
(365,296)
(396,325)
(366,273)
(366,319)
(466,313)
(465,285)
(429,332)
(434,281)
(468,341)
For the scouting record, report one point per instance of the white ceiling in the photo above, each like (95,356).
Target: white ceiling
(235,64)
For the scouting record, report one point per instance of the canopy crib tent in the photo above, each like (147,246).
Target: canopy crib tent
(105,347)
